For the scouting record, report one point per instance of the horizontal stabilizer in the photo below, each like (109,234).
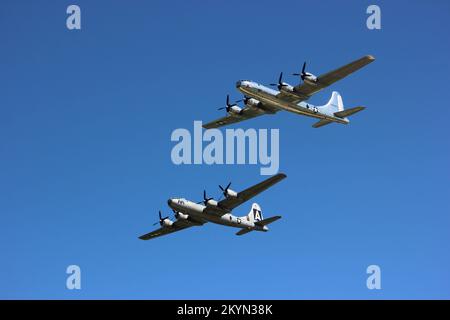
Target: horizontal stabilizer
(267,221)
(322,123)
(243,231)
(348,112)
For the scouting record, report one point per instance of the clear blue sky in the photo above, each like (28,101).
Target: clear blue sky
(85,124)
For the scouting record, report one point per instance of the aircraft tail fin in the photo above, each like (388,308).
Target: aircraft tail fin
(255,214)
(335,104)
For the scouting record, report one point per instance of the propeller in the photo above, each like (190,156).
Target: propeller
(302,74)
(229,105)
(161,219)
(224,190)
(205,198)
(280,83)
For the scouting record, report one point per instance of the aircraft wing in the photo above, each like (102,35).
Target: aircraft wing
(231,118)
(307,89)
(243,196)
(176,226)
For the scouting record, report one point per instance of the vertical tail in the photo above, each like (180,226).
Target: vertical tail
(335,104)
(255,213)
(255,216)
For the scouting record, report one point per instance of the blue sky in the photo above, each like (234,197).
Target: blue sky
(85,124)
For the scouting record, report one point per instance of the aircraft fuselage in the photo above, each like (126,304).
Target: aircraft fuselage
(269,97)
(197,211)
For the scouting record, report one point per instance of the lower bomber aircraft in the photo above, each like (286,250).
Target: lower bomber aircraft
(189,214)
(259,99)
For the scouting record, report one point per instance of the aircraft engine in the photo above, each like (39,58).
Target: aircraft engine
(231,108)
(230,193)
(282,86)
(211,203)
(166,223)
(208,202)
(227,192)
(181,216)
(287,87)
(306,76)
(234,110)
(252,103)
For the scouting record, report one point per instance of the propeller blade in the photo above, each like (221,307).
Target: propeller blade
(280,79)
(224,190)
(205,198)
(304,67)
(161,219)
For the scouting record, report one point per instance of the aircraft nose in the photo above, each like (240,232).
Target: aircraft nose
(169,202)
(238,83)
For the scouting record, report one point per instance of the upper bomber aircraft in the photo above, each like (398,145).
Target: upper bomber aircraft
(188,213)
(259,99)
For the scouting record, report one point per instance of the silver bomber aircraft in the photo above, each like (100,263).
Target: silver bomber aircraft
(259,99)
(189,214)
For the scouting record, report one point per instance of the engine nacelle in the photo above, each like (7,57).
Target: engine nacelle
(212,203)
(166,223)
(181,216)
(234,110)
(252,103)
(287,87)
(309,77)
(231,194)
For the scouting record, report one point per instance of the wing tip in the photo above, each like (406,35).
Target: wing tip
(279,176)
(369,57)
(359,108)
(282,175)
(144,237)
